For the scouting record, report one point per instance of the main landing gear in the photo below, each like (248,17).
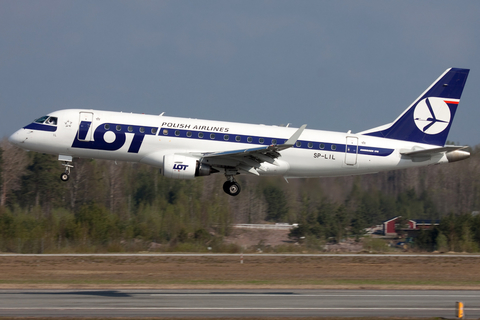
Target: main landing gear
(231,187)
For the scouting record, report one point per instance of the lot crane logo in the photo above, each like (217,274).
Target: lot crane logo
(432,115)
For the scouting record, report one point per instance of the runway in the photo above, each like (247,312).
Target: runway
(229,303)
(318,255)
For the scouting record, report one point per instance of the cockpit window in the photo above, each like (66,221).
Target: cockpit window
(47,120)
(41,120)
(52,121)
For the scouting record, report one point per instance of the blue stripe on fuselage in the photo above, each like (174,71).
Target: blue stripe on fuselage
(304,144)
(41,127)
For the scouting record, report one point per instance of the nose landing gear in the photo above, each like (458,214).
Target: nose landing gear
(66,163)
(64,176)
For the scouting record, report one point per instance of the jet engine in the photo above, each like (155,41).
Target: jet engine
(177,166)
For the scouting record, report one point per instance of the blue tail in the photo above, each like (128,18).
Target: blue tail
(429,118)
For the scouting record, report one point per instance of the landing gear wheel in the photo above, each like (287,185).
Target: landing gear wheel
(226,185)
(67,164)
(231,188)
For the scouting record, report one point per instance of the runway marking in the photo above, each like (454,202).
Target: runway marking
(295,295)
(217,308)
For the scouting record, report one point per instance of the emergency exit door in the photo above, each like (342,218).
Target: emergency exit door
(351,151)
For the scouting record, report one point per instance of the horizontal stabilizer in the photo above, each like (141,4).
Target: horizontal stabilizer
(430,152)
(453,153)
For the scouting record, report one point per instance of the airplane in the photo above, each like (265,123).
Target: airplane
(185,148)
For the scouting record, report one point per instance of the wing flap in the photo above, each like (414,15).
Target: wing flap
(231,153)
(249,169)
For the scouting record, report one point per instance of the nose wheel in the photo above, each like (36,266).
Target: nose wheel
(231,188)
(66,175)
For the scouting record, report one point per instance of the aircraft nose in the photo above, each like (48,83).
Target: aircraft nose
(17,138)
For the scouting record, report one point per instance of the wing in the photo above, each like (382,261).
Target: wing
(249,160)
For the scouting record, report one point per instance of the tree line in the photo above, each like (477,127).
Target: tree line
(108,206)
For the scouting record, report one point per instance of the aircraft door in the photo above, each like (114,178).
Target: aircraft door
(85,128)
(351,151)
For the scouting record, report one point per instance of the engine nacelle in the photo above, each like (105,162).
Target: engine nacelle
(177,166)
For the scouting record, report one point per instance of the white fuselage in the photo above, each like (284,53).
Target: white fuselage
(119,136)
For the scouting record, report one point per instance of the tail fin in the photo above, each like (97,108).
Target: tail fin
(428,119)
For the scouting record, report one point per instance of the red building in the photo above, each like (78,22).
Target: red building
(411,227)
(390,226)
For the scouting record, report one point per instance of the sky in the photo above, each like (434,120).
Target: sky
(333,65)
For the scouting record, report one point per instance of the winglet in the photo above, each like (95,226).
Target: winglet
(293,139)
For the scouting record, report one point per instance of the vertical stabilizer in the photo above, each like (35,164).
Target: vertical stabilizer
(428,119)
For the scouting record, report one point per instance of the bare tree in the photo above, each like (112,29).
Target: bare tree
(115,184)
(79,178)
(14,162)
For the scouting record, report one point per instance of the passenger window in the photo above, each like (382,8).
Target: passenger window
(212,136)
(274,141)
(322,146)
(142,129)
(261,140)
(310,145)
(249,139)
(154,130)
(189,134)
(334,147)
(200,135)
(130,128)
(237,138)
(165,132)
(298,144)
(119,127)
(177,133)
(226,137)
(107,126)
